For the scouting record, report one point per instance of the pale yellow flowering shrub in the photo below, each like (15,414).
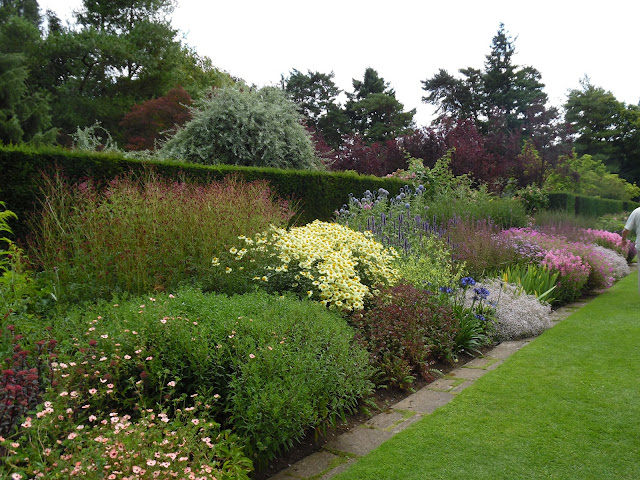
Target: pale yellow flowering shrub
(327,262)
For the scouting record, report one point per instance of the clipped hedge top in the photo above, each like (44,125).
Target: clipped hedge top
(318,193)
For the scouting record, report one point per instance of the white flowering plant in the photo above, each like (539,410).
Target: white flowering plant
(517,314)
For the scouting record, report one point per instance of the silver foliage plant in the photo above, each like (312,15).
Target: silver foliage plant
(518,315)
(243,126)
(617,263)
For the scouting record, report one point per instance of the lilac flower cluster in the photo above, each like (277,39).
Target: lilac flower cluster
(528,251)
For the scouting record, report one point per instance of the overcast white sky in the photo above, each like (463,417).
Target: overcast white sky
(407,41)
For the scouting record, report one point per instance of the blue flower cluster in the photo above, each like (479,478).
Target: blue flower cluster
(406,192)
(481,293)
(467,282)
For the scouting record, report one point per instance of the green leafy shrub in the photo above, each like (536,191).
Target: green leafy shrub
(533,198)
(586,175)
(406,331)
(241,126)
(431,266)
(144,236)
(327,262)
(534,280)
(5,215)
(270,367)
(22,292)
(611,222)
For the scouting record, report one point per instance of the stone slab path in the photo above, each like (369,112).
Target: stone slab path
(337,455)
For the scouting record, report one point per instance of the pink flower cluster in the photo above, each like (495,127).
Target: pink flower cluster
(602,274)
(570,266)
(607,239)
(586,265)
(574,273)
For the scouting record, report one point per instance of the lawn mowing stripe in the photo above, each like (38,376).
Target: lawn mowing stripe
(566,406)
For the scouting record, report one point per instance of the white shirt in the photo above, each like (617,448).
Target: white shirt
(633,225)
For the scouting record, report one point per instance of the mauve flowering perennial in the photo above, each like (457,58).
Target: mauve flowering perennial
(574,273)
(606,239)
(604,268)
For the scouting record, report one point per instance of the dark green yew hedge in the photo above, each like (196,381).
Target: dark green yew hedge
(589,206)
(318,194)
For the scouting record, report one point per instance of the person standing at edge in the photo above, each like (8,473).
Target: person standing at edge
(633,225)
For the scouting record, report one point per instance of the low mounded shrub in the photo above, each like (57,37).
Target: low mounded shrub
(326,262)
(617,264)
(518,315)
(56,442)
(406,331)
(270,367)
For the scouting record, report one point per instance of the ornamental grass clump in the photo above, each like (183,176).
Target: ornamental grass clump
(140,236)
(326,262)
(517,314)
(533,279)
(480,247)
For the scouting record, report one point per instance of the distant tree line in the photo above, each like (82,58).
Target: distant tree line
(120,63)
(115,56)
(497,120)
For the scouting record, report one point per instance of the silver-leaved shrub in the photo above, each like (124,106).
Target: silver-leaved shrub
(518,315)
(618,266)
(241,126)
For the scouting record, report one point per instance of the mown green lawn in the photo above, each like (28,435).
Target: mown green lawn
(567,406)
